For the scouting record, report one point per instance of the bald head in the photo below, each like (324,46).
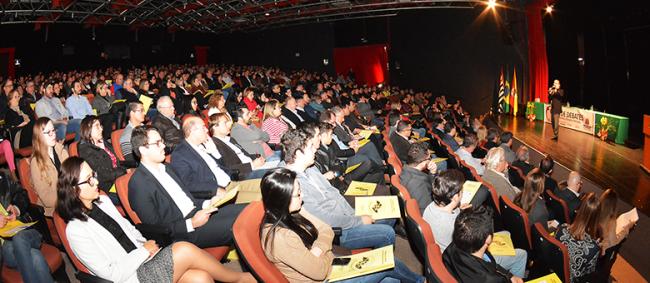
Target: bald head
(575,181)
(190,125)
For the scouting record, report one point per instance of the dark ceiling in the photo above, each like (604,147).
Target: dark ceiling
(207,15)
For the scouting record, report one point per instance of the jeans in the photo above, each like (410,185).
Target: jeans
(377,122)
(515,264)
(275,157)
(256,174)
(367,151)
(62,129)
(421,131)
(23,253)
(151,114)
(376,235)
(400,273)
(226,92)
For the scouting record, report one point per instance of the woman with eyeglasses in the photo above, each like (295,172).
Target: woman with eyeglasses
(100,155)
(298,243)
(272,123)
(45,163)
(113,249)
(191,108)
(103,98)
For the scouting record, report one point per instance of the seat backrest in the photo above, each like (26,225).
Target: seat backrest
(401,192)
(492,202)
(516,221)
(452,161)
(115,141)
(73,149)
(122,187)
(558,206)
(440,147)
(550,256)
(418,229)
(435,269)
(467,170)
(515,176)
(60,230)
(247,240)
(26,181)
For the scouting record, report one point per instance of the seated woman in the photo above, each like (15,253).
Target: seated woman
(530,198)
(298,243)
(190,108)
(113,249)
(102,104)
(100,155)
(20,124)
(581,239)
(217,104)
(198,89)
(272,123)
(234,101)
(249,99)
(46,163)
(607,221)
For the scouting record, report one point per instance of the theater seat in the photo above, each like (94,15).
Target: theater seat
(115,141)
(435,269)
(53,258)
(49,231)
(73,149)
(515,220)
(557,206)
(551,256)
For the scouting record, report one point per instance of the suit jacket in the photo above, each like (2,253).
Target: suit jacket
(292,119)
(510,155)
(401,147)
(419,185)
(555,98)
(193,170)
(365,110)
(342,133)
(311,112)
(305,116)
(154,205)
(101,163)
(451,142)
(374,104)
(524,166)
(500,183)
(573,202)
(124,94)
(171,135)
(230,158)
(246,137)
(490,144)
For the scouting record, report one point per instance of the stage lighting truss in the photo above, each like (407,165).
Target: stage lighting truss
(207,15)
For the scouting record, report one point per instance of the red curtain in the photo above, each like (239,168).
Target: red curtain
(537,59)
(10,61)
(369,63)
(201,57)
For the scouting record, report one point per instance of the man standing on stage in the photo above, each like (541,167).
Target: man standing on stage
(555,94)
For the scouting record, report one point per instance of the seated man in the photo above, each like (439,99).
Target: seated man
(158,196)
(233,155)
(366,110)
(467,258)
(442,212)
(414,178)
(465,154)
(326,202)
(54,109)
(135,114)
(438,126)
(250,137)
(506,144)
(523,156)
(77,105)
(332,168)
(546,165)
(449,137)
(167,124)
(393,119)
(290,113)
(354,124)
(344,139)
(571,194)
(198,162)
(401,141)
(304,110)
(492,136)
(494,174)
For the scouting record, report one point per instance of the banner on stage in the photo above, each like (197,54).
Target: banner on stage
(574,118)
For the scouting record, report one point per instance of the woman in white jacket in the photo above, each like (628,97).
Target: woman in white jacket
(111,248)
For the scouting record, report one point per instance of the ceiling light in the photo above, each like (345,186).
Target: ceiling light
(549,9)
(492,4)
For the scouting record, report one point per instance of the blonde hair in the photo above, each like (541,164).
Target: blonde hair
(494,157)
(40,154)
(481,134)
(269,108)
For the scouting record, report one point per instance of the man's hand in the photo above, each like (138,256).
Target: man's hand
(465,206)
(13,210)
(258,162)
(516,280)
(357,137)
(202,216)
(210,147)
(4,219)
(329,175)
(62,121)
(433,168)
(220,194)
(151,246)
(367,220)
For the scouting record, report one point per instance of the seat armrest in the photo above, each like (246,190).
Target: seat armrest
(159,233)
(202,194)
(89,278)
(37,213)
(234,175)
(338,231)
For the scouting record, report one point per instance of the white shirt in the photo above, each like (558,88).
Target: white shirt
(470,160)
(222,178)
(242,156)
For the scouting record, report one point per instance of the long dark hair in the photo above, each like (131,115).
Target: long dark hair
(68,204)
(533,188)
(586,221)
(277,188)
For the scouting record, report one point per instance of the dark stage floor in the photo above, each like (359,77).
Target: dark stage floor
(607,165)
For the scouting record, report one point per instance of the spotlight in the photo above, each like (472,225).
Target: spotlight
(267,14)
(492,4)
(549,9)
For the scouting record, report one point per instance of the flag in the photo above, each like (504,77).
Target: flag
(513,93)
(506,99)
(501,92)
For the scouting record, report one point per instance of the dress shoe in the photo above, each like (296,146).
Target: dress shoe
(400,231)
(554,138)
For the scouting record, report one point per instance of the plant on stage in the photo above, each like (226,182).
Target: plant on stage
(530,111)
(606,127)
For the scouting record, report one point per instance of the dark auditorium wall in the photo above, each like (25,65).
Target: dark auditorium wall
(453,52)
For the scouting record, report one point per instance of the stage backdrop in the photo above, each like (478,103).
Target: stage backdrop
(369,63)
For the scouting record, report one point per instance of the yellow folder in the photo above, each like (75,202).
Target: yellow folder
(360,189)
(502,245)
(379,207)
(364,263)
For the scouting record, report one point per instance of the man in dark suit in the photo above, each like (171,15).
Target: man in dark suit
(290,113)
(233,155)
(167,124)
(522,160)
(199,163)
(401,140)
(158,196)
(449,138)
(438,126)
(343,135)
(492,136)
(546,165)
(555,94)
(305,110)
(571,194)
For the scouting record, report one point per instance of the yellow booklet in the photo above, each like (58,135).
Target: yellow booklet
(360,189)
(469,190)
(119,100)
(364,263)
(14,227)
(459,140)
(551,278)
(351,168)
(380,207)
(502,245)
(365,133)
(146,102)
(33,105)
(439,159)
(230,195)
(363,142)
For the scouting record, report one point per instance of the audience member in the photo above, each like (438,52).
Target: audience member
(249,100)
(127,91)
(113,249)
(167,124)
(53,109)
(250,137)
(191,108)
(401,140)
(523,156)
(305,110)
(467,258)
(438,126)
(531,201)
(546,165)
(581,238)
(298,243)
(45,163)
(496,168)
(450,136)
(217,104)
(413,176)
(571,193)
(135,115)
(492,136)
(78,105)
(19,123)
(272,123)
(506,144)
(607,221)
(465,153)
(366,110)
(188,218)
(199,163)
(102,103)
(290,113)
(481,134)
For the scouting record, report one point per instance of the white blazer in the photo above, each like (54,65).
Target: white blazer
(100,252)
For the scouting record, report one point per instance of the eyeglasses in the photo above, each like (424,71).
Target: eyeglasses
(90,179)
(159,143)
(50,133)
(98,126)
(298,195)
(138,110)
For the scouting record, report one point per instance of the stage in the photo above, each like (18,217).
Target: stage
(606,164)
